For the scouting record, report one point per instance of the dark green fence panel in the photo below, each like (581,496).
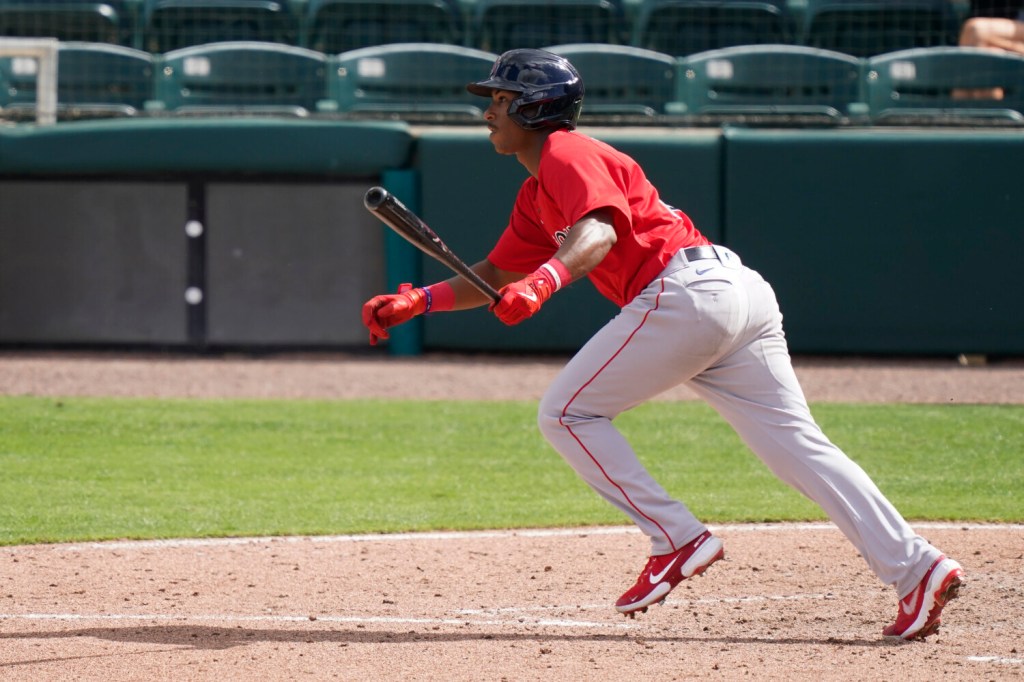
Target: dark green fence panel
(895,242)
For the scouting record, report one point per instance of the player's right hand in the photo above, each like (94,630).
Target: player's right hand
(381,313)
(522,299)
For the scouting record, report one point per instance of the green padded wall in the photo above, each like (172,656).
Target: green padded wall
(884,241)
(467,192)
(215,145)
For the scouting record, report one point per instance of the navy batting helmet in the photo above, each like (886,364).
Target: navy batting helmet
(551,91)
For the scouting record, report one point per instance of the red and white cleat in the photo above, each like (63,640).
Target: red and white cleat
(920,610)
(663,572)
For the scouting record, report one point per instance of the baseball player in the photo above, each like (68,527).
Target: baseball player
(691,313)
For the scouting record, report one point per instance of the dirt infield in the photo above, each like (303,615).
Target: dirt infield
(791,601)
(344,376)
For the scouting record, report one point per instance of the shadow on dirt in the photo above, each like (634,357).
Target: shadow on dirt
(215,638)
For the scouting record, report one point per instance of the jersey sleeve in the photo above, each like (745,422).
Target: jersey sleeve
(582,182)
(523,246)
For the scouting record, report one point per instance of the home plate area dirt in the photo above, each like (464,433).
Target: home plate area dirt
(791,601)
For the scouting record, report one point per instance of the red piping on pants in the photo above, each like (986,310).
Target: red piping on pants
(657,301)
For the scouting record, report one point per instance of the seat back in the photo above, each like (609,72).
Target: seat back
(864,28)
(500,25)
(18,86)
(248,77)
(621,81)
(173,24)
(93,80)
(101,21)
(684,27)
(335,26)
(778,83)
(954,84)
(411,81)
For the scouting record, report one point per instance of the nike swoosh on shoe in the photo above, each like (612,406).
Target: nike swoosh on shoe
(658,577)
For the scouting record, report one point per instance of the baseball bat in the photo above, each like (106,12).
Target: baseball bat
(410,226)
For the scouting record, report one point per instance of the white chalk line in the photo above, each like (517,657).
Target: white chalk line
(517,615)
(501,617)
(996,659)
(357,620)
(671,602)
(481,534)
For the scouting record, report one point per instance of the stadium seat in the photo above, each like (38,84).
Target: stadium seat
(102,21)
(945,85)
(335,26)
(500,25)
(410,81)
(93,80)
(242,77)
(791,84)
(684,27)
(622,81)
(864,28)
(173,24)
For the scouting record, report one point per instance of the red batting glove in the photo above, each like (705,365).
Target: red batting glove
(524,298)
(381,313)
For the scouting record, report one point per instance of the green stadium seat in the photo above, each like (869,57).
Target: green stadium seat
(93,80)
(335,26)
(242,77)
(780,84)
(103,21)
(622,81)
(410,81)
(684,27)
(864,28)
(500,25)
(173,24)
(17,88)
(945,85)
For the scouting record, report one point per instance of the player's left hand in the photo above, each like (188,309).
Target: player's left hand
(522,299)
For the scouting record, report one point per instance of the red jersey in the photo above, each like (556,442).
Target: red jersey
(577,175)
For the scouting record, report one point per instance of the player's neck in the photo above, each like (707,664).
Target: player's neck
(530,155)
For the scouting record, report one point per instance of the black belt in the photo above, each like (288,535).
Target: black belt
(700,253)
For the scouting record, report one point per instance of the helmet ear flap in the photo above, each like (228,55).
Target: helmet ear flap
(529,112)
(525,114)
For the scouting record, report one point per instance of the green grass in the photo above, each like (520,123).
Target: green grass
(78,469)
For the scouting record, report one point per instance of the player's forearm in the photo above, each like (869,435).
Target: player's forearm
(466,296)
(589,241)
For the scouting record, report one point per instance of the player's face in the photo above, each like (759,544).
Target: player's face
(506,135)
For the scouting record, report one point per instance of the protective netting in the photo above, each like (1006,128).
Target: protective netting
(665,62)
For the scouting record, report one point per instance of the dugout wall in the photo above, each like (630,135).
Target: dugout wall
(884,241)
(876,241)
(894,241)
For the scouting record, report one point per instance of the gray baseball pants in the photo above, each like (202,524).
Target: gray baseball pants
(715,325)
